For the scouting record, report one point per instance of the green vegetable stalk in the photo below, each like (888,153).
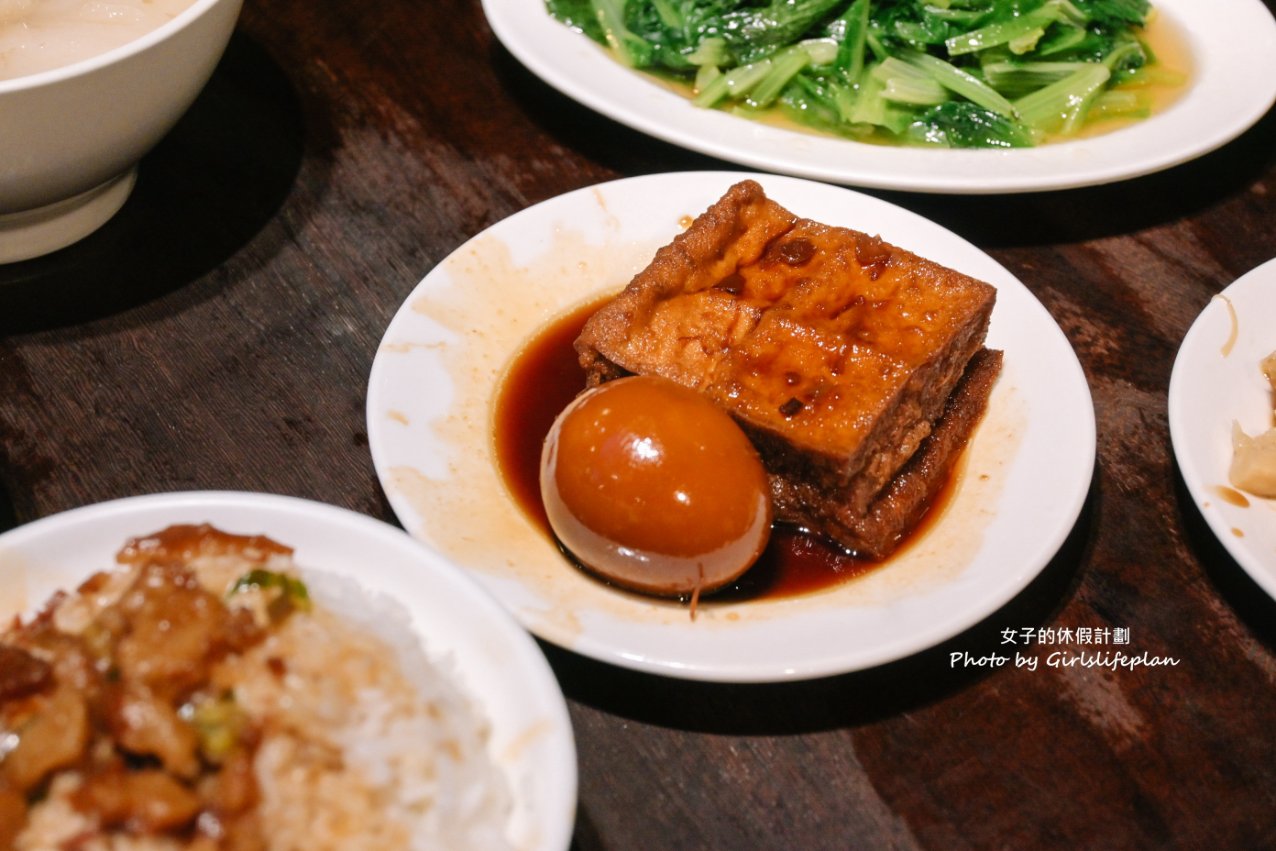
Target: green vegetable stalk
(957,73)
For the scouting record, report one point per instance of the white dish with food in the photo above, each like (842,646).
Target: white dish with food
(60,183)
(479,670)
(1231,47)
(1216,382)
(430,420)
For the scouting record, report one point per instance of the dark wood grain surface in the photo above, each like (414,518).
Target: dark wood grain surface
(219,333)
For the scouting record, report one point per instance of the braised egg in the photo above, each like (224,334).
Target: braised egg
(653,487)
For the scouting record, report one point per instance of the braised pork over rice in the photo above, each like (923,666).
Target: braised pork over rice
(202,696)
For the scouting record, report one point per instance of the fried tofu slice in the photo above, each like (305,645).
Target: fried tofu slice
(835,350)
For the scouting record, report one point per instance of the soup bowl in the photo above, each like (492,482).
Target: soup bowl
(71,137)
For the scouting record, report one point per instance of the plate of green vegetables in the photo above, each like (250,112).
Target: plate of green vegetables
(946,96)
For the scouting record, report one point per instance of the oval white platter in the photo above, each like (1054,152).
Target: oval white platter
(430,425)
(1216,380)
(1232,50)
(495,662)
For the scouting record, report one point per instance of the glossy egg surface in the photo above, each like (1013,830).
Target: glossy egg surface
(652,486)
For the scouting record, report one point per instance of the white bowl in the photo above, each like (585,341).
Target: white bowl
(71,137)
(465,630)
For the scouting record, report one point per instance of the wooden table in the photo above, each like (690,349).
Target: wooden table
(219,332)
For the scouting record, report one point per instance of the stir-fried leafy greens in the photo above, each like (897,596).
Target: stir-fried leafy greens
(958,73)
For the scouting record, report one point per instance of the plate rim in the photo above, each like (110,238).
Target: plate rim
(554,823)
(1047,546)
(541,45)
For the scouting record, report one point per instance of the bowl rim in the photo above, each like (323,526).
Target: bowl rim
(90,64)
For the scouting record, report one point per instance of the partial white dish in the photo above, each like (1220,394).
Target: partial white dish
(497,663)
(58,183)
(1216,380)
(1232,51)
(430,419)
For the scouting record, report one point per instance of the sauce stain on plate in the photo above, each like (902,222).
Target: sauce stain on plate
(492,303)
(1235,327)
(1232,496)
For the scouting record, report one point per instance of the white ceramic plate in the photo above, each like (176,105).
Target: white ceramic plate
(500,667)
(1216,380)
(1232,47)
(430,424)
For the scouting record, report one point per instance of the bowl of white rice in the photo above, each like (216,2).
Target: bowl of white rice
(87,87)
(392,703)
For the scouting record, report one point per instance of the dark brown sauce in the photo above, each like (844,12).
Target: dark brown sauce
(543,379)
(546,376)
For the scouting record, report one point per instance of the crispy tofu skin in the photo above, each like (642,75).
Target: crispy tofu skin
(836,351)
(900,505)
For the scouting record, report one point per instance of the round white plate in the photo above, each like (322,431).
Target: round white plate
(1232,46)
(430,424)
(497,664)
(1216,380)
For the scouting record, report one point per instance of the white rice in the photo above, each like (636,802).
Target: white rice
(417,744)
